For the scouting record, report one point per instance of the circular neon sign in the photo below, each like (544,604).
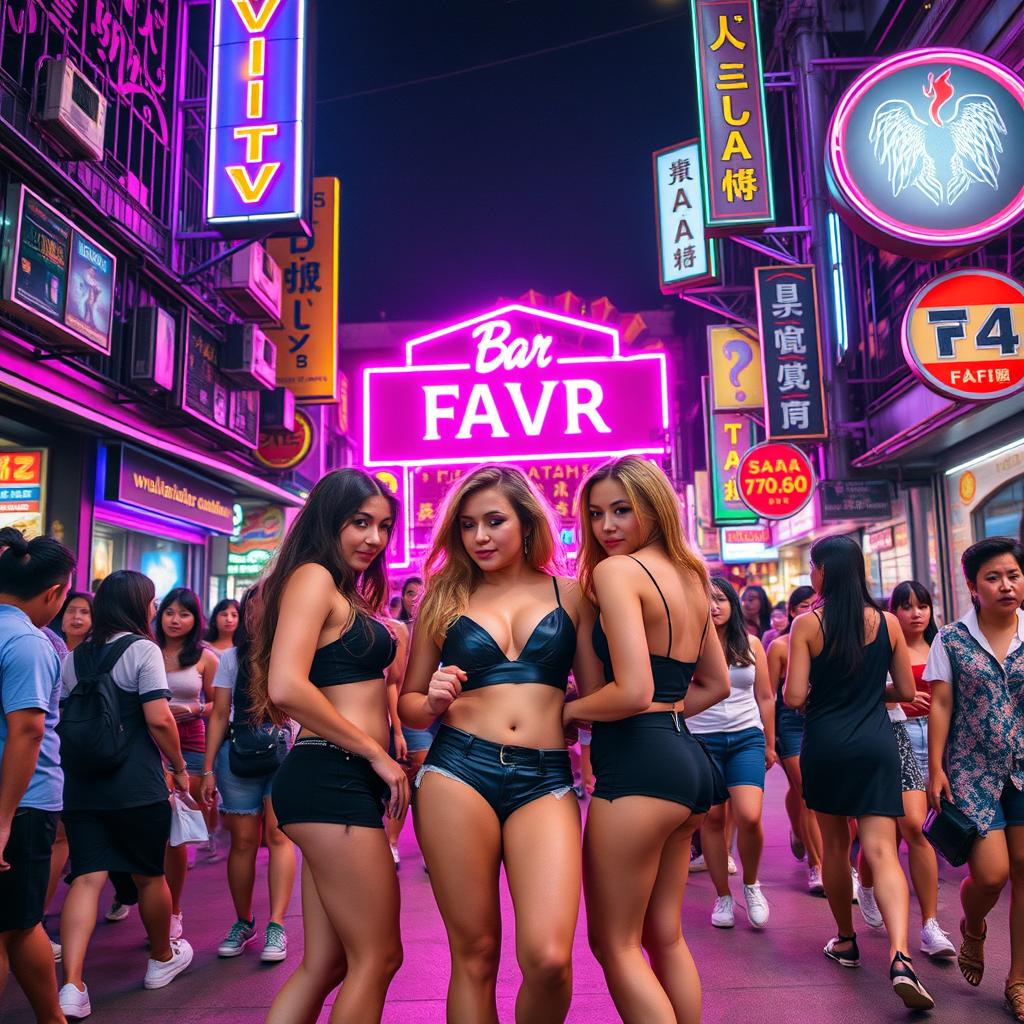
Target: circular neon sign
(285,449)
(962,335)
(924,155)
(775,479)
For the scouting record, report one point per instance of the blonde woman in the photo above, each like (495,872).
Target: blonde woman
(503,626)
(654,781)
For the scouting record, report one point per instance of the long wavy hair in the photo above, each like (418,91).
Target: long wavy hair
(652,498)
(192,645)
(450,573)
(737,640)
(901,599)
(315,536)
(845,595)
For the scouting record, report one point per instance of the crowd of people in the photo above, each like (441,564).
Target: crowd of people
(316,713)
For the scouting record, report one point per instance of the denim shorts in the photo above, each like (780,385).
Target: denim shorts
(739,756)
(789,732)
(417,739)
(917,730)
(238,795)
(1010,809)
(507,777)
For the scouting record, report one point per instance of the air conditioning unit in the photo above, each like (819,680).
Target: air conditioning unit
(277,410)
(153,350)
(74,110)
(249,357)
(251,282)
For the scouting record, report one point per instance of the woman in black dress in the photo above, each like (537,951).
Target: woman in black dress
(839,655)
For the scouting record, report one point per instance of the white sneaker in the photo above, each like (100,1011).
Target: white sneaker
(160,973)
(395,857)
(757,905)
(935,942)
(58,953)
(814,883)
(117,912)
(722,916)
(732,865)
(176,926)
(868,905)
(697,864)
(75,1004)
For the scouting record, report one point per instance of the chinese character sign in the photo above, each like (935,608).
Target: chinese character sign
(687,255)
(734,131)
(258,150)
(734,357)
(787,312)
(307,344)
(729,436)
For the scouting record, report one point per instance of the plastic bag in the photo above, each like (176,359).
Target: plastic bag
(187,822)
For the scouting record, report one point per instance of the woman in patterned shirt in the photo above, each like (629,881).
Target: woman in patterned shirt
(976,745)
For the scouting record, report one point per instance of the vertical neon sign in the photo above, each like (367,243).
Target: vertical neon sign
(257,146)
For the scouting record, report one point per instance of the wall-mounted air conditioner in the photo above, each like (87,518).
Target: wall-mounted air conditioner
(251,282)
(74,110)
(277,410)
(153,350)
(249,357)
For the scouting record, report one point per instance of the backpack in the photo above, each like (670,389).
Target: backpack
(93,740)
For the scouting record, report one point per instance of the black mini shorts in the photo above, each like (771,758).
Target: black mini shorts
(507,777)
(655,755)
(130,840)
(321,782)
(23,886)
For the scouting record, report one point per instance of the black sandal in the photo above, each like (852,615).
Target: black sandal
(906,985)
(844,957)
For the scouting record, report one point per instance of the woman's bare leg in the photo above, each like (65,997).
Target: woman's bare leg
(878,841)
(810,832)
(835,869)
(281,864)
(924,868)
(716,855)
(244,830)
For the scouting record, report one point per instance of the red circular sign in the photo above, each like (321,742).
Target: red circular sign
(775,480)
(285,449)
(962,335)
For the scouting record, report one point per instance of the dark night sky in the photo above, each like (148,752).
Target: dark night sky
(532,174)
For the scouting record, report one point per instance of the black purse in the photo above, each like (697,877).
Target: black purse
(255,751)
(951,832)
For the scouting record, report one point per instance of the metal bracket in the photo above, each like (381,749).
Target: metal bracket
(775,243)
(214,260)
(779,80)
(715,300)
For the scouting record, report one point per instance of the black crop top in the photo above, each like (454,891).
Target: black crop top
(671,676)
(546,658)
(362,652)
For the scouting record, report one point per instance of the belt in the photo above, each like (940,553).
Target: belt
(317,741)
(507,754)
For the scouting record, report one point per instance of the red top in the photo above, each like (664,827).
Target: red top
(922,687)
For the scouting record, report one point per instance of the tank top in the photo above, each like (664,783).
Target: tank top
(186,686)
(737,712)
(671,676)
(921,687)
(546,657)
(361,653)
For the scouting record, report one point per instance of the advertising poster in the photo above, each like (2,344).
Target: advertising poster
(21,490)
(41,273)
(90,300)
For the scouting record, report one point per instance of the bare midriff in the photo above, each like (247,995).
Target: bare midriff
(515,714)
(363,704)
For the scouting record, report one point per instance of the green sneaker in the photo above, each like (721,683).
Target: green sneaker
(275,944)
(240,935)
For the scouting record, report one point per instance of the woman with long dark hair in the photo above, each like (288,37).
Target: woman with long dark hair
(912,604)
(75,618)
(654,780)
(190,666)
(412,587)
(757,610)
(504,627)
(246,809)
(319,654)
(120,820)
(804,834)
(739,733)
(224,621)
(840,654)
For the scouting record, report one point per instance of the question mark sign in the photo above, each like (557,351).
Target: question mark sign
(740,355)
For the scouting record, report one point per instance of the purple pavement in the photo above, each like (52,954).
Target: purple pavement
(778,975)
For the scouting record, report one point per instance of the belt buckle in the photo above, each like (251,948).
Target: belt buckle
(501,757)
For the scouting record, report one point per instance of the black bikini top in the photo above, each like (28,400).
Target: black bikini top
(671,676)
(362,652)
(546,658)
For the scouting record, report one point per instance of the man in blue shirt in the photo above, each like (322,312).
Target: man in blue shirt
(34,577)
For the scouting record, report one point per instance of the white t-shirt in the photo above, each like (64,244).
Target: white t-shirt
(737,712)
(139,670)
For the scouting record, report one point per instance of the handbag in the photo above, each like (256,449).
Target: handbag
(951,832)
(255,751)
(187,822)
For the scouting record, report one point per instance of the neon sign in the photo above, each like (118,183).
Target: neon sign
(515,383)
(257,149)
(922,155)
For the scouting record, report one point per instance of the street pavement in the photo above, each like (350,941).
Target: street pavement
(778,975)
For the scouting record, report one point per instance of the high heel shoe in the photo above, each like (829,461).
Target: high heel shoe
(906,985)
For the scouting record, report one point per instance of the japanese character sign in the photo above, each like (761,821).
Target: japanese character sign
(730,435)
(734,132)
(787,310)
(307,344)
(687,256)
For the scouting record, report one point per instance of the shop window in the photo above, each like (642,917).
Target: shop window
(1002,515)
(165,562)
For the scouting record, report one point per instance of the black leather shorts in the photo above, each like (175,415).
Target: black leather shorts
(506,777)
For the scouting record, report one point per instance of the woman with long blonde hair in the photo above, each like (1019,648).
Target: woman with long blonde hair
(496,786)
(654,781)
(318,655)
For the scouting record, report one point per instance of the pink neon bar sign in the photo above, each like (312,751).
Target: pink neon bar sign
(514,383)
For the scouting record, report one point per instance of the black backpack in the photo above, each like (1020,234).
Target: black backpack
(93,740)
